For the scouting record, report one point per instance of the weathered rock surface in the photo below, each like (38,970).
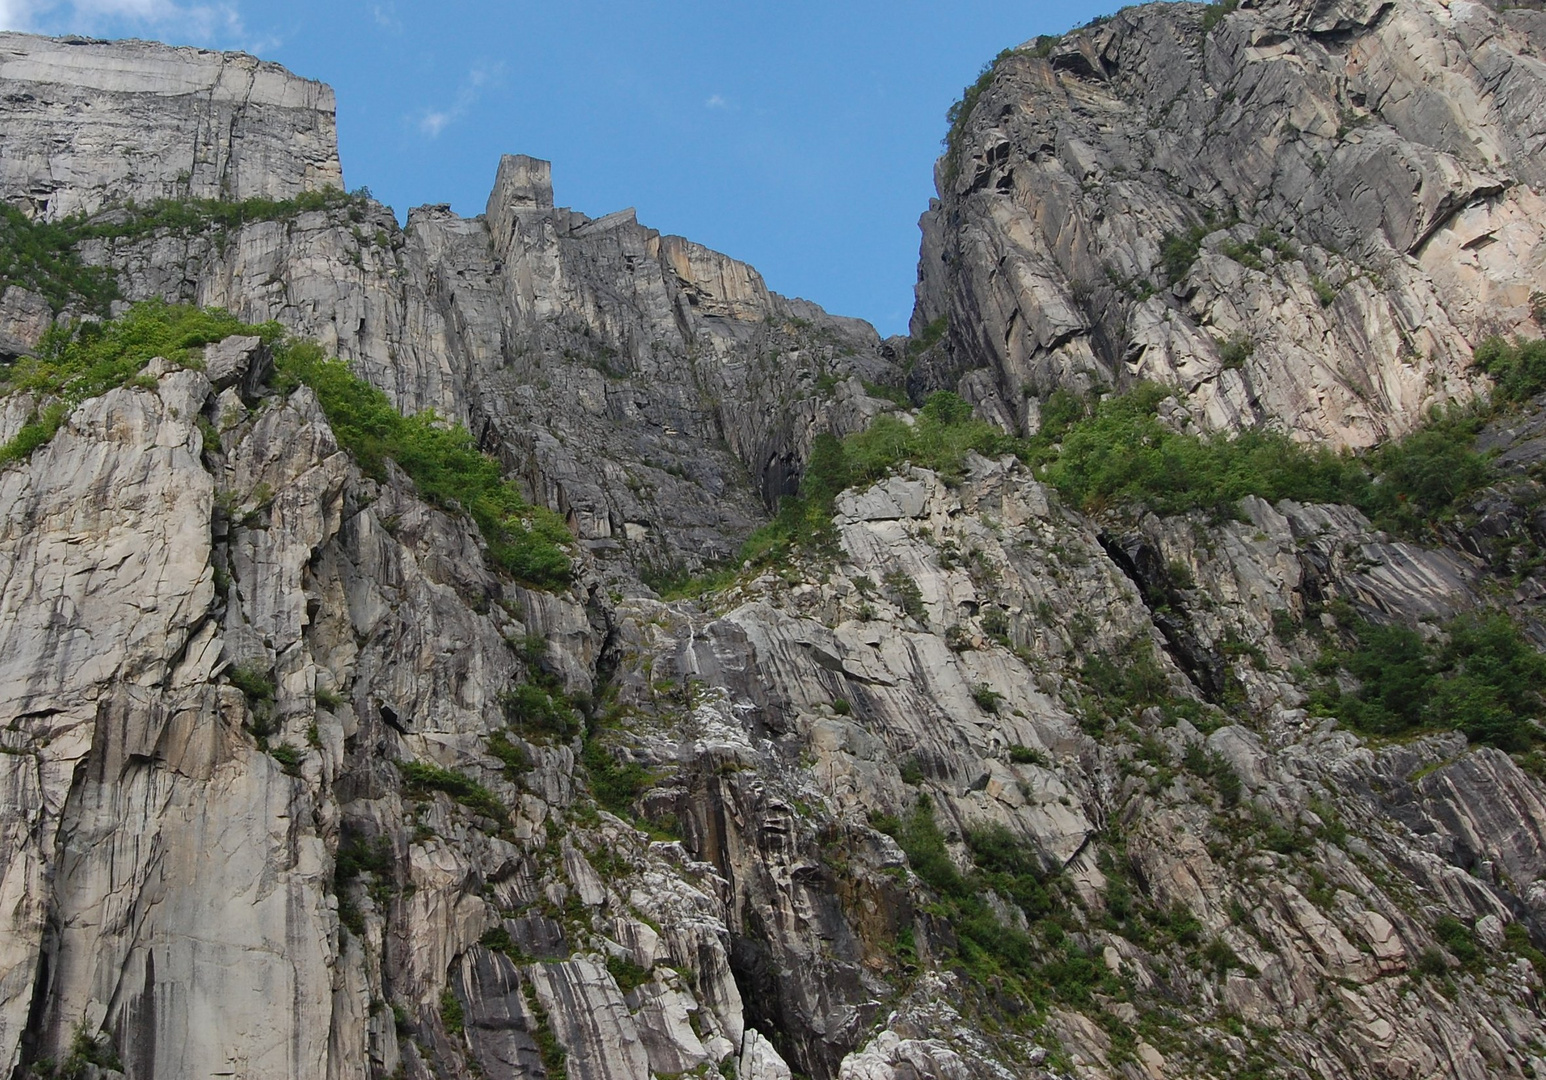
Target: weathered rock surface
(91,123)
(1362,184)
(269,808)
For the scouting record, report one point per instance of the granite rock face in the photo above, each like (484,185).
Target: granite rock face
(276,800)
(1302,215)
(92,123)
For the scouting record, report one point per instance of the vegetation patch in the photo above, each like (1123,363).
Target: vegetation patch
(40,256)
(537,712)
(1518,369)
(421,779)
(1481,677)
(615,784)
(1041,967)
(450,471)
(554,1056)
(88,359)
(44,257)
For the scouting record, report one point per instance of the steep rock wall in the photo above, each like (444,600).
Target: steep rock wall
(1356,191)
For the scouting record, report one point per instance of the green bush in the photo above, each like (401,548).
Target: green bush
(1121,453)
(1052,969)
(41,256)
(1178,251)
(614,784)
(91,358)
(252,680)
(451,1013)
(534,711)
(186,217)
(960,112)
(511,755)
(289,758)
(1457,937)
(88,359)
(1213,14)
(1518,369)
(421,778)
(1483,679)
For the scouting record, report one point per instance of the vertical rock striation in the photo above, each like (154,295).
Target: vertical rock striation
(294,782)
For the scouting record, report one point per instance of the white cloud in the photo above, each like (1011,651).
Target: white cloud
(716,101)
(386,17)
(219,23)
(15,14)
(431,122)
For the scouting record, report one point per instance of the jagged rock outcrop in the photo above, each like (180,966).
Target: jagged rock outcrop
(1300,214)
(295,783)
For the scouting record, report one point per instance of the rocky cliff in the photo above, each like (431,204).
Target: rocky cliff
(977,781)
(1298,214)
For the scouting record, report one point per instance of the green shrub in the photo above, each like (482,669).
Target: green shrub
(986,697)
(534,711)
(252,680)
(451,1013)
(960,112)
(1518,370)
(1457,937)
(554,1056)
(906,593)
(627,974)
(1236,351)
(1027,755)
(1122,453)
(328,699)
(185,217)
(41,256)
(614,784)
(1483,679)
(514,757)
(33,434)
(1126,680)
(289,758)
(90,358)
(1213,14)
(421,778)
(1053,969)
(927,338)
(1178,251)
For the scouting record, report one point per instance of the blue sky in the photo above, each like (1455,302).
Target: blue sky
(798,136)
